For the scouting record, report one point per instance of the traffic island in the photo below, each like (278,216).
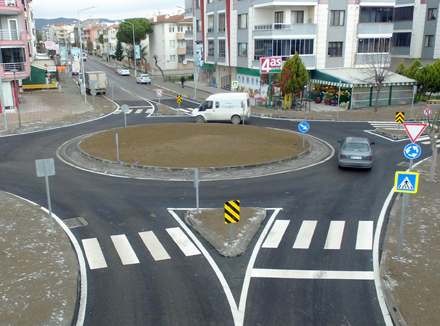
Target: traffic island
(210,224)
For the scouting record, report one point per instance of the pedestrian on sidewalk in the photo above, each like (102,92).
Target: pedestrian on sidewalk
(182,80)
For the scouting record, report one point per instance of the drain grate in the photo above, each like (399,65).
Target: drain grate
(75,222)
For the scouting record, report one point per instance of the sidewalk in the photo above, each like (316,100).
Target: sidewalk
(41,291)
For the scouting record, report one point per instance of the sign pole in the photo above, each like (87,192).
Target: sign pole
(232,233)
(270,91)
(48,199)
(117,147)
(402,219)
(196,185)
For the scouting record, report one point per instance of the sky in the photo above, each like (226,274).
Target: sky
(113,10)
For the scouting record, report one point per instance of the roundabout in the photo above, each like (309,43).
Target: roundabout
(172,151)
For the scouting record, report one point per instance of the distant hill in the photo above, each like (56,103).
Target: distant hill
(41,22)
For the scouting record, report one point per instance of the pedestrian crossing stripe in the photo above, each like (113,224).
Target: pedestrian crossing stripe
(406,182)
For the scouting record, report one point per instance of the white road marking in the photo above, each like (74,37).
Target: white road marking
(334,235)
(187,247)
(276,234)
(94,254)
(139,111)
(312,274)
(364,240)
(305,234)
(124,249)
(154,246)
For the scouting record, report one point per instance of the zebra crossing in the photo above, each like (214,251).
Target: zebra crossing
(96,258)
(135,110)
(304,238)
(424,139)
(335,233)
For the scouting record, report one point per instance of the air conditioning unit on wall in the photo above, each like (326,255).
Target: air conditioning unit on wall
(11,3)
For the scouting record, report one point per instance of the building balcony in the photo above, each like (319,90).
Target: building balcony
(283,3)
(189,34)
(22,70)
(181,51)
(375,29)
(11,35)
(276,29)
(10,5)
(181,36)
(188,13)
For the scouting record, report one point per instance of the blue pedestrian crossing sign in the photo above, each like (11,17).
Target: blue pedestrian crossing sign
(406,182)
(303,126)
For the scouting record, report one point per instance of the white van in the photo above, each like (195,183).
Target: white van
(234,107)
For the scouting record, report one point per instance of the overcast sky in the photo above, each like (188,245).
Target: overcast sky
(113,10)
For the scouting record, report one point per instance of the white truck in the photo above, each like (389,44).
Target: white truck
(234,107)
(96,80)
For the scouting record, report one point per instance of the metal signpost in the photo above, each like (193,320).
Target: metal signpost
(125,108)
(179,100)
(196,185)
(93,92)
(46,168)
(117,147)
(406,182)
(232,215)
(159,94)
(303,127)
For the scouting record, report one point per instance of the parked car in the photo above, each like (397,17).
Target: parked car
(117,68)
(355,152)
(143,79)
(124,71)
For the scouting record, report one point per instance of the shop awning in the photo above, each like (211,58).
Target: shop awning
(359,77)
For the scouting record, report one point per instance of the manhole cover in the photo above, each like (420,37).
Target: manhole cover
(75,222)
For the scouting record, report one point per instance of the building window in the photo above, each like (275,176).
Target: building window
(199,25)
(297,17)
(173,58)
(374,45)
(189,47)
(402,39)
(278,20)
(221,22)
(181,43)
(210,48)
(171,28)
(242,49)
(432,13)
(376,15)
(172,43)
(283,48)
(335,49)
(242,21)
(221,48)
(337,17)
(179,29)
(198,4)
(211,24)
(403,13)
(429,40)
(210,1)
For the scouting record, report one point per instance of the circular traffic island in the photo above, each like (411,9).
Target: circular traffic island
(184,145)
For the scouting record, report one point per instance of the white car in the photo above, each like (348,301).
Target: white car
(124,71)
(143,79)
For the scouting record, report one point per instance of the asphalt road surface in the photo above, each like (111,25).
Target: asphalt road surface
(304,267)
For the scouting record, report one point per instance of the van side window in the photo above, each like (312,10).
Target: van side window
(217,105)
(206,105)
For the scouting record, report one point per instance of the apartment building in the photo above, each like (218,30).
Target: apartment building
(168,43)
(17,43)
(327,34)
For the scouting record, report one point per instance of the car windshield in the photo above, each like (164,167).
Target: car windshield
(357,147)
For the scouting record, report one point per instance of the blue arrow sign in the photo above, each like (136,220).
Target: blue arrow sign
(412,151)
(303,126)
(406,182)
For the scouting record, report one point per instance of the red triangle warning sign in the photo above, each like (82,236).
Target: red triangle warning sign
(414,130)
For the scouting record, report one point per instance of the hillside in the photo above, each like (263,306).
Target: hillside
(40,22)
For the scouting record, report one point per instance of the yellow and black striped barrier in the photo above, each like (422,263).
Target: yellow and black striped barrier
(232,211)
(400,117)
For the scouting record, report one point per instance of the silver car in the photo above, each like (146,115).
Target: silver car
(355,152)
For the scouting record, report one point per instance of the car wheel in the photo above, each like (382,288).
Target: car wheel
(235,120)
(200,119)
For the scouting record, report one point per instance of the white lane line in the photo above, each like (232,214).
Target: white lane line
(312,274)
(305,234)
(334,235)
(187,247)
(94,254)
(276,234)
(154,246)
(124,249)
(364,240)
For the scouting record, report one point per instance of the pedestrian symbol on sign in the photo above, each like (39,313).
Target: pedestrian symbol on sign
(406,182)
(406,185)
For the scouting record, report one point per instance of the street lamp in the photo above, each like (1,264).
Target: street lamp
(134,49)
(16,96)
(83,84)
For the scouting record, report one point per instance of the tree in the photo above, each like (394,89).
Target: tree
(125,32)
(377,67)
(292,78)
(144,55)
(432,130)
(101,38)
(401,69)
(119,51)
(155,59)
